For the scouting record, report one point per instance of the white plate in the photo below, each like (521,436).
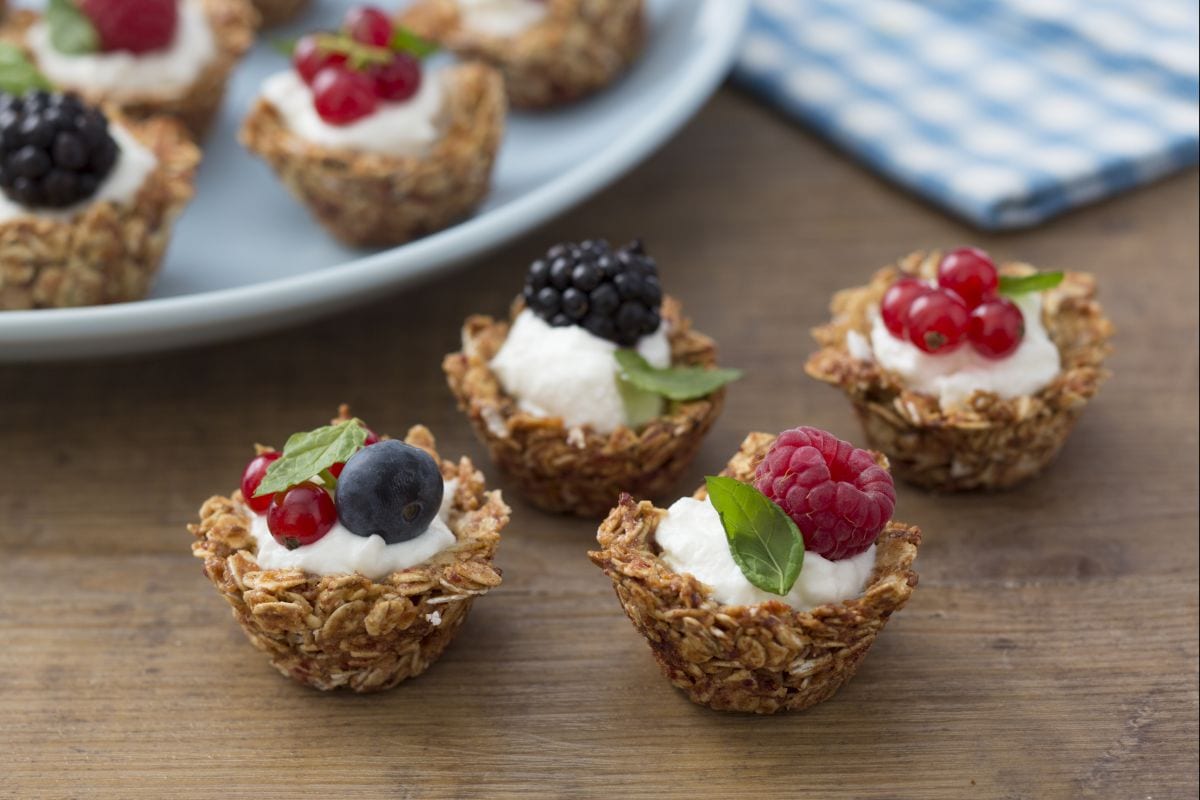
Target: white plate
(247,258)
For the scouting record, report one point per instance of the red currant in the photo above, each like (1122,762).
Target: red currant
(937,321)
(338,466)
(252,477)
(398,79)
(309,58)
(896,302)
(368,25)
(996,327)
(138,26)
(342,96)
(970,274)
(301,515)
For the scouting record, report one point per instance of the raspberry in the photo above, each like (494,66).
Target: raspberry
(138,26)
(835,492)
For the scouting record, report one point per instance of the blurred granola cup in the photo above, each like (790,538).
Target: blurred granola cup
(277,12)
(577,470)
(346,630)
(233,24)
(108,252)
(760,658)
(375,199)
(988,442)
(578,48)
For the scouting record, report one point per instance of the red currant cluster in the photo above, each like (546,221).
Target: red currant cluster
(351,71)
(963,307)
(303,513)
(138,26)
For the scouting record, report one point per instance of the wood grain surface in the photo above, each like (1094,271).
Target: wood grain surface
(1050,650)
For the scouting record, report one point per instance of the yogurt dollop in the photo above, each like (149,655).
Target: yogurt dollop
(693,541)
(571,373)
(400,129)
(342,552)
(501,18)
(954,377)
(121,75)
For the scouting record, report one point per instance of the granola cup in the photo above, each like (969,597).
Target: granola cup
(373,199)
(277,12)
(580,47)
(233,23)
(348,631)
(989,442)
(578,470)
(109,252)
(762,658)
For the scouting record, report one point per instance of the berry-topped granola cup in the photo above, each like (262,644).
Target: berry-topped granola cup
(764,590)
(350,560)
(380,150)
(966,375)
(596,385)
(551,52)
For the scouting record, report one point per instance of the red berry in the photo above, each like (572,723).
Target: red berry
(309,58)
(970,274)
(301,515)
(398,79)
(996,328)
(252,476)
(839,498)
(338,466)
(138,26)
(368,25)
(937,321)
(896,302)
(342,96)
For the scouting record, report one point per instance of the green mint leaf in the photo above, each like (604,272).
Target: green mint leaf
(306,454)
(17,73)
(284,47)
(763,540)
(71,31)
(673,383)
(406,41)
(1022,284)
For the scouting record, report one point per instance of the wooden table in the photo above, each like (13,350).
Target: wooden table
(1050,650)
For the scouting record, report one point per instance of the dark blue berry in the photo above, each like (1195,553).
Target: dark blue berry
(575,303)
(585,277)
(390,489)
(539,273)
(560,272)
(547,301)
(604,300)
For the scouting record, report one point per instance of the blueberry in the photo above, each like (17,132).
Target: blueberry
(390,489)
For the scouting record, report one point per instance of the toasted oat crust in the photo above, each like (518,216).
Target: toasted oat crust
(580,47)
(277,12)
(233,23)
(577,470)
(373,199)
(347,631)
(990,442)
(762,658)
(109,252)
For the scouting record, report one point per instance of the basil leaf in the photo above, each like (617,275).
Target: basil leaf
(1022,284)
(674,383)
(17,73)
(71,31)
(306,454)
(763,540)
(416,46)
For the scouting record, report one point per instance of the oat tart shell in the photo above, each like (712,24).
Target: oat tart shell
(763,658)
(989,442)
(108,252)
(374,199)
(580,46)
(233,24)
(577,470)
(277,12)
(348,631)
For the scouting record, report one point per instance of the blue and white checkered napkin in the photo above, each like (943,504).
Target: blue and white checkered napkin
(1004,111)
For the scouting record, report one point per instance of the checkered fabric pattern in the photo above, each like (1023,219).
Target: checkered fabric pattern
(1005,112)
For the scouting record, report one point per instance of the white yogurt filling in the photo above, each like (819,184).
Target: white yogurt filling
(953,377)
(693,541)
(501,18)
(342,552)
(122,75)
(571,373)
(124,181)
(400,129)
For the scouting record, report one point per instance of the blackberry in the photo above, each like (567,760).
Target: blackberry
(614,294)
(54,149)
